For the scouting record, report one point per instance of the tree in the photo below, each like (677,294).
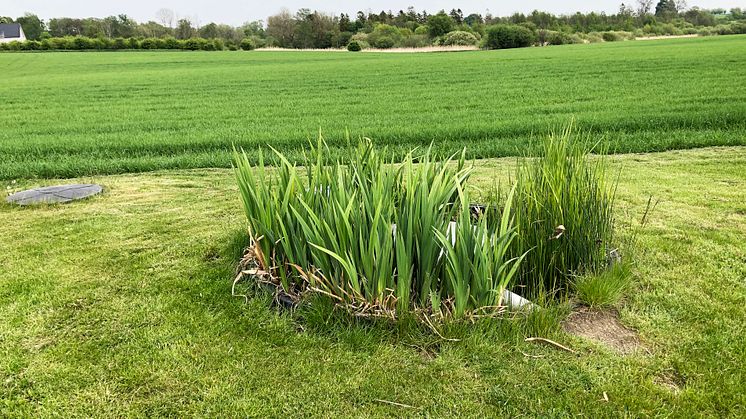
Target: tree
(644,7)
(384,36)
(165,17)
(118,26)
(32,26)
(439,24)
(344,23)
(65,26)
(625,11)
(314,30)
(209,31)
(473,19)
(248,44)
(509,36)
(698,17)
(665,8)
(6,19)
(457,15)
(231,35)
(152,30)
(184,29)
(254,28)
(281,28)
(542,20)
(93,28)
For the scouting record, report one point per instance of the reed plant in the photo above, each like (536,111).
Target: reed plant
(563,211)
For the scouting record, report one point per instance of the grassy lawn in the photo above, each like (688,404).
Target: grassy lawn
(79,114)
(121,305)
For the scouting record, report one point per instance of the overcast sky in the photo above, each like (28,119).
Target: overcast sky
(235,12)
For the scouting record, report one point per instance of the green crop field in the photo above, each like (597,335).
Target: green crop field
(73,114)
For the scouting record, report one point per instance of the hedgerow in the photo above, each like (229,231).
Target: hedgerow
(83,43)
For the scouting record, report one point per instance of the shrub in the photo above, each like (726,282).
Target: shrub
(360,37)
(460,38)
(405,32)
(66,43)
(415,41)
(207,45)
(218,43)
(509,36)
(738,27)
(171,43)
(705,32)
(613,36)
(149,43)
(563,211)
(723,30)
(354,46)
(556,38)
(120,43)
(422,30)
(384,42)
(82,43)
(247,44)
(102,43)
(133,43)
(376,237)
(576,39)
(384,36)
(192,44)
(610,37)
(30,46)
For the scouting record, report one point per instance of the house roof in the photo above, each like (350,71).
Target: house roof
(10,30)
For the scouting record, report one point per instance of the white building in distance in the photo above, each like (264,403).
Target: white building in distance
(10,32)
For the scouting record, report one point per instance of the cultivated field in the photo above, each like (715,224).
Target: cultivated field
(71,114)
(121,305)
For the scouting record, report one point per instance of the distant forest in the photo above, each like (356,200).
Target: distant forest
(406,28)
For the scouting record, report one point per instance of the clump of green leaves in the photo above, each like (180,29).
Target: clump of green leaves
(374,236)
(605,289)
(564,214)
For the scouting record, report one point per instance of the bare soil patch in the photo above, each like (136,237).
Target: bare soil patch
(603,327)
(653,38)
(671,381)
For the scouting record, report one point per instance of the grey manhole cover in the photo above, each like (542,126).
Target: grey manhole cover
(54,194)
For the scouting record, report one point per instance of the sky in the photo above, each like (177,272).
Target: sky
(236,12)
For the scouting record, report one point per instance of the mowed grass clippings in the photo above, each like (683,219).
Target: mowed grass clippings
(120,306)
(75,114)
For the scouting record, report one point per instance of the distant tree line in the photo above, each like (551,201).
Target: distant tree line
(406,28)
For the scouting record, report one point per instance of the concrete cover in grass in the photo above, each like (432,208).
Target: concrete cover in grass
(54,194)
